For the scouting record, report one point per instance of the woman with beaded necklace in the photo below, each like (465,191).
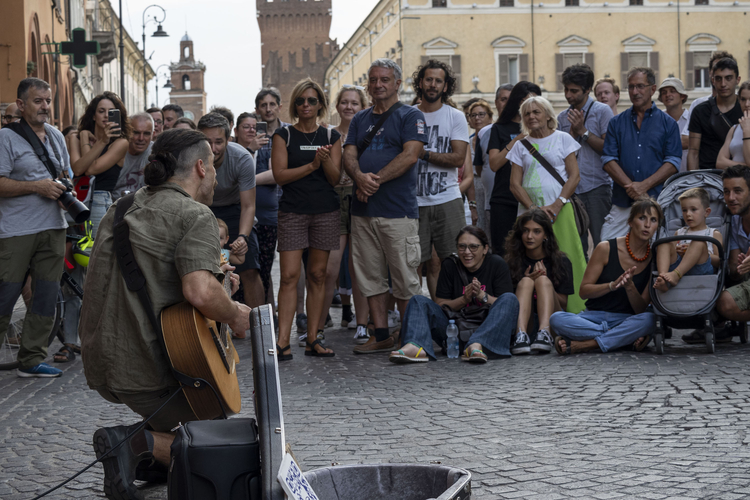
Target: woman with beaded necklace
(616,284)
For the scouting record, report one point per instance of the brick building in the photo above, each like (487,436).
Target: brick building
(187,78)
(295,42)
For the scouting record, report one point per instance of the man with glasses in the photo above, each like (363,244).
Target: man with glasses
(158,117)
(11,114)
(641,150)
(711,121)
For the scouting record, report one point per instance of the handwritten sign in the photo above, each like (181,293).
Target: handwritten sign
(293,482)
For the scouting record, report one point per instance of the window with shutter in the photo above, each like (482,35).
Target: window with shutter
(558,71)
(638,59)
(624,68)
(689,75)
(589,60)
(571,3)
(636,2)
(439,3)
(701,2)
(502,69)
(506,3)
(523,67)
(455,64)
(701,77)
(653,63)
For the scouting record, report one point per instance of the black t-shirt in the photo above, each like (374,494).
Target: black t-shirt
(493,274)
(563,283)
(107,180)
(713,126)
(500,136)
(312,194)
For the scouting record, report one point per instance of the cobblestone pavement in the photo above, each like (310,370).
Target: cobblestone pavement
(619,425)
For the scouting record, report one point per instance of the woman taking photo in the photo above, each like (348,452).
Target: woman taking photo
(736,149)
(349,101)
(543,279)
(103,145)
(306,161)
(488,281)
(505,133)
(616,285)
(534,187)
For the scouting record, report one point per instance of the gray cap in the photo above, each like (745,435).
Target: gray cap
(674,82)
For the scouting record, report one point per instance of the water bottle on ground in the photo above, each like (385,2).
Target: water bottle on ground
(452,332)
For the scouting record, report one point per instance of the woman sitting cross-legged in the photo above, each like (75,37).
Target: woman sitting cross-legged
(489,282)
(542,275)
(616,284)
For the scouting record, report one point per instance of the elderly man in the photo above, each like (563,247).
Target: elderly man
(32,224)
(385,213)
(11,114)
(642,149)
(672,95)
(139,149)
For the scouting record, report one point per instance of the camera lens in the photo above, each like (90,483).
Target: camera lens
(77,210)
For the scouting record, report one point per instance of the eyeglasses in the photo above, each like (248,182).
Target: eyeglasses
(312,101)
(8,118)
(473,247)
(639,87)
(247,126)
(350,86)
(477,115)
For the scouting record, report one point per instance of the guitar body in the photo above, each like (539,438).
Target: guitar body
(197,348)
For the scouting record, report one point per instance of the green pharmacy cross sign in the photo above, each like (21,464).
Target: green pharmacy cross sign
(79,48)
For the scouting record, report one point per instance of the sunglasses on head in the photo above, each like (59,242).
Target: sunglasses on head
(350,86)
(312,101)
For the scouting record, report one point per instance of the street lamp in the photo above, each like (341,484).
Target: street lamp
(167,85)
(371,33)
(158,33)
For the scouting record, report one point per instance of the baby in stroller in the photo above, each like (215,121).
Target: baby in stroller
(686,257)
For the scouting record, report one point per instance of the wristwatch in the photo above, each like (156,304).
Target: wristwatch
(585,136)
(426,156)
(485,298)
(245,237)
(564,200)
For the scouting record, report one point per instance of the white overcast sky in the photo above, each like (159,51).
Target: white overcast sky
(226,38)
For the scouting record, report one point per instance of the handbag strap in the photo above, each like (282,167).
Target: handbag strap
(543,161)
(371,135)
(461,271)
(136,282)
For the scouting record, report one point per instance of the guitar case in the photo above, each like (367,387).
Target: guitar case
(237,458)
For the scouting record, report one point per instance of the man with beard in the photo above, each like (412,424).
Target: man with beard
(131,175)
(586,121)
(32,223)
(641,150)
(175,241)
(441,210)
(171,112)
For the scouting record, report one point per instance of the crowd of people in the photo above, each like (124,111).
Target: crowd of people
(533,233)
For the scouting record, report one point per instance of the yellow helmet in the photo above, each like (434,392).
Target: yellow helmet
(82,247)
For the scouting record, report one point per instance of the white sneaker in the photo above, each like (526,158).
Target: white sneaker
(394,318)
(352,325)
(303,340)
(362,336)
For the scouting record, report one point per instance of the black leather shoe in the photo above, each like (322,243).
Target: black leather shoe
(120,465)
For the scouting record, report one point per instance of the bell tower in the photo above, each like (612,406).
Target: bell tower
(187,78)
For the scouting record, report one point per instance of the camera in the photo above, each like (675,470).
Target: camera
(77,210)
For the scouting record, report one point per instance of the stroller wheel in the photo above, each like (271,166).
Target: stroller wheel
(659,342)
(710,341)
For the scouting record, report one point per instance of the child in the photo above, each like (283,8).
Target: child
(688,257)
(229,255)
(542,276)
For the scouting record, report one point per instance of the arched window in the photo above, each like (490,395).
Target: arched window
(185,82)
(186,52)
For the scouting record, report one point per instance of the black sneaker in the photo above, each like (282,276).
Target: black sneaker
(542,343)
(120,465)
(346,317)
(301,322)
(520,344)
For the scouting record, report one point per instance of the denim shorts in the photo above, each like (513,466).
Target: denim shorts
(697,270)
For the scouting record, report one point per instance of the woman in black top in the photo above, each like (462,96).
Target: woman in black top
(616,286)
(503,135)
(542,275)
(487,282)
(103,145)
(306,161)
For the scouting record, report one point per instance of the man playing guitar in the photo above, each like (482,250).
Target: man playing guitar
(175,241)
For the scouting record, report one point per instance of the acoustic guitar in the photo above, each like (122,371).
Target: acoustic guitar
(201,348)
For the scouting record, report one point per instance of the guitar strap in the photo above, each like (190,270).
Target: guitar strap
(136,282)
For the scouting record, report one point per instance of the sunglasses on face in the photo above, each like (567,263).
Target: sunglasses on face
(312,101)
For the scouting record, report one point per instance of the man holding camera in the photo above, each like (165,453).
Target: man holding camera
(32,223)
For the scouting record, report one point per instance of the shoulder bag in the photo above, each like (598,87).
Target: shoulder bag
(371,135)
(579,209)
(469,318)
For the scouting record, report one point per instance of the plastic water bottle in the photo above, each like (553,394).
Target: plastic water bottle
(452,333)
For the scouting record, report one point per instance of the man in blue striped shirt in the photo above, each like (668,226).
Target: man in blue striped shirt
(641,150)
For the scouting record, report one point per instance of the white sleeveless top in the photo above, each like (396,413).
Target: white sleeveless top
(735,145)
(700,232)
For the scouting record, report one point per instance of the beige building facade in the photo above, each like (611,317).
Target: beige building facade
(491,42)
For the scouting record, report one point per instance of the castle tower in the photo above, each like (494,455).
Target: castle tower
(187,78)
(295,42)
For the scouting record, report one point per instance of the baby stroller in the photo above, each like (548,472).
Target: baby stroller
(691,302)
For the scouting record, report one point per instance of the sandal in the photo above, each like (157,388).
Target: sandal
(402,359)
(314,353)
(280,356)
(562,351)
(76,348)
(646,342)
(66,354)
(476,356)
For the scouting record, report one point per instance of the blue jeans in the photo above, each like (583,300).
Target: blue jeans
(610,330)
(100,203)
(425,321)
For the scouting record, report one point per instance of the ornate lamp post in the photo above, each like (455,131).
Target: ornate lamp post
(158,33)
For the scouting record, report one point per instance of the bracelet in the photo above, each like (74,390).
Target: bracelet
(472,204)
(678,273)
(610,287)
(746,138)
(506,147)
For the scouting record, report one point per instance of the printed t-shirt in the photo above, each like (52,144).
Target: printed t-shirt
(396,198)
(493,274)
(437,185)
(312,194)
(131,176)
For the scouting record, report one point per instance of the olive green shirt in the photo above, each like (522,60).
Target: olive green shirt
(172,235)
